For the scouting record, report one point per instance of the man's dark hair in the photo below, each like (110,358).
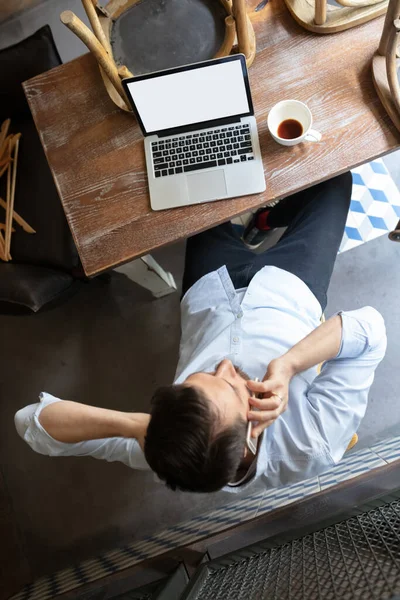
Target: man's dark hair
(184,444)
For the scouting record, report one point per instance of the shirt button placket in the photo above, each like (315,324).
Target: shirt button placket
(235,344)
(235,335)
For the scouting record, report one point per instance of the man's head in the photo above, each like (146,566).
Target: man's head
(196,437)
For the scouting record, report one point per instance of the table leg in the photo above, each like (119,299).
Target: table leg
(147,273)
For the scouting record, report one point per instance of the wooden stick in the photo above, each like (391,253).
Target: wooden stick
(391,63)
(2,253)
(239,12)
(391,14)
(10,198)
(229,39)
(16,136)
(2,241)
(124,72)
(90,9)
(358,3)
(8,192)
(4,169)
(101,9)
(4,150)
(8,146)
(3,132)
(3,227)
(252,43)
(227,4)
(18,219)
(89,39)
(320,12)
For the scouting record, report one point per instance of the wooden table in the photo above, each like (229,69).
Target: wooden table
(95,151)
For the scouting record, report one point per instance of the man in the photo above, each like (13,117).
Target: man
(244,316)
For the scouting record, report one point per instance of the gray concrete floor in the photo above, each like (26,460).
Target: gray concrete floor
(370,275)
(111,345)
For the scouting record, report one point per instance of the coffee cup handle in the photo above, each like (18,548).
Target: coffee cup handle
(313,136)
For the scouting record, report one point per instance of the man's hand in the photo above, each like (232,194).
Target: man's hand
(273,392)
(320,345)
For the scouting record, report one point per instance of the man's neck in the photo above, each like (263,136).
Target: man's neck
(247,461)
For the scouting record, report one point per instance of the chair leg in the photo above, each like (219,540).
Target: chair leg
(394,236)
(320,12)
(353,442)
(391,62)
(391,14)
(147,273)
(239,11)
(90,40)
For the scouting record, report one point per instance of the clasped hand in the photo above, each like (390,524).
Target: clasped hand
(272,393)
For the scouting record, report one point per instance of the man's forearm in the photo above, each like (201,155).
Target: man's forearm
(71,422)
(320,345)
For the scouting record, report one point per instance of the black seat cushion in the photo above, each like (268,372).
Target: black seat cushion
(32,287)
(38,202)
(42,263)
(36,196)
(34,55)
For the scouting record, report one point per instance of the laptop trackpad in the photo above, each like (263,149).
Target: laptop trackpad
(206,186)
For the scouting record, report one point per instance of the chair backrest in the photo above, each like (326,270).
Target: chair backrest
(30,57)
(36,197)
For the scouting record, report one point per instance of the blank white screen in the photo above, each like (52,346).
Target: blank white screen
(195,96)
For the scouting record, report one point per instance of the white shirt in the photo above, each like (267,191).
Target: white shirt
(251,327)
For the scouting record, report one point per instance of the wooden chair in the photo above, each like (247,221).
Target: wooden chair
(386,63)
(105,24)
(385,69)
(395,234)
(320,17)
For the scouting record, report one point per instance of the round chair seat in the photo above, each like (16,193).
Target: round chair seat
(158,34)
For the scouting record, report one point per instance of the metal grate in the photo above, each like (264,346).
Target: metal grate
(144,593)
(356,558)
(136,596)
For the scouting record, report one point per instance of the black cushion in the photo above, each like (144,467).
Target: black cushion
(32,287)
(38,202)
(32,56)
(43,263)
(36,196)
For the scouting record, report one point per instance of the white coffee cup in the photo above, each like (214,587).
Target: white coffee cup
(292,109)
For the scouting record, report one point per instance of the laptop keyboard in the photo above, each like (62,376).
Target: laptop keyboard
(192,152)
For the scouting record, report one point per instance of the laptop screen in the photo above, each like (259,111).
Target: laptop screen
(197,94)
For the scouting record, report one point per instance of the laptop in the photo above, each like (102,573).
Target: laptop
(201,140)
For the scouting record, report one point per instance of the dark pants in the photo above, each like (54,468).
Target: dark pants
(315,220)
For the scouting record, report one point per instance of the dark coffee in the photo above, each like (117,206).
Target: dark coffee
(290,129)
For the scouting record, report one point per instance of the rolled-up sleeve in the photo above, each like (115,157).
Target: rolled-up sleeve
(28,426)
(363,332)
(338,397)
